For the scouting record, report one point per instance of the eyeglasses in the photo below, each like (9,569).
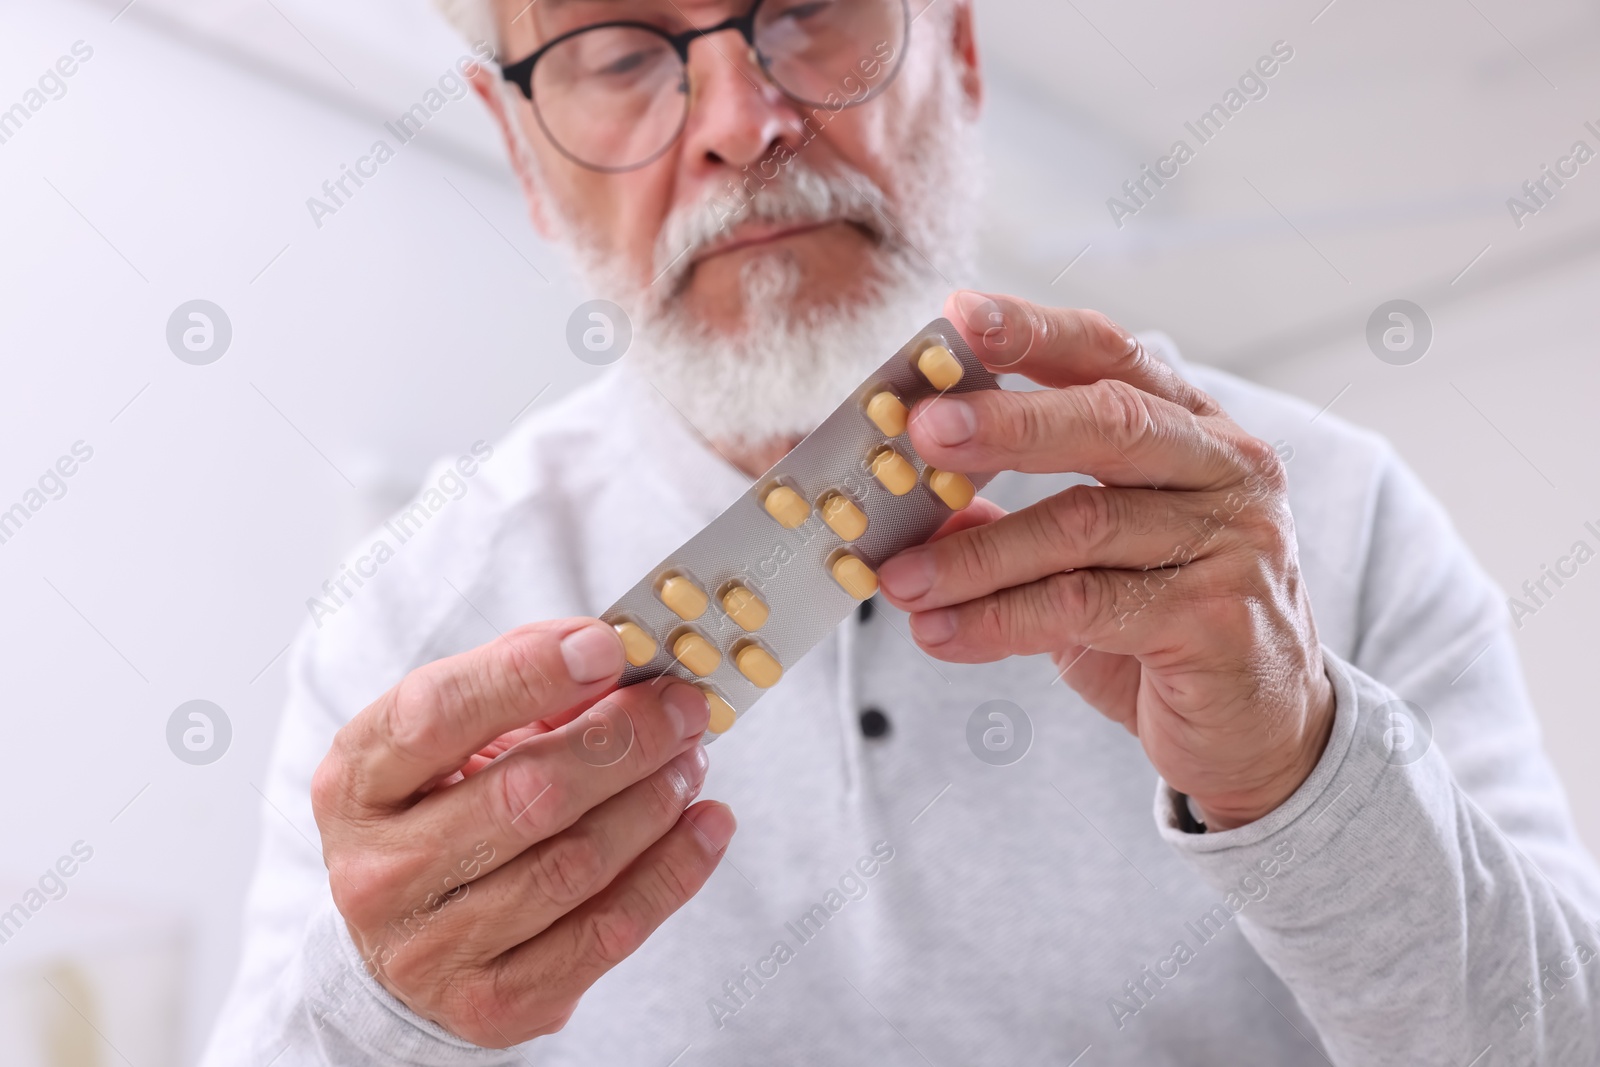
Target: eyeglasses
(614,96)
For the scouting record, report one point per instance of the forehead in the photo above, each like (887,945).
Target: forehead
(550,17)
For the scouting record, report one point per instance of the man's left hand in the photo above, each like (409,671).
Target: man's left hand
(1169,595)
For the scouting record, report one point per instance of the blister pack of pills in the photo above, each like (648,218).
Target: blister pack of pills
(775,573)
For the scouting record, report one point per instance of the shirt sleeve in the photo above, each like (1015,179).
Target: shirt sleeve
(302,996)
(1424,893)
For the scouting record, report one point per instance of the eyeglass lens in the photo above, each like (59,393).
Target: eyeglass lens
(615,97)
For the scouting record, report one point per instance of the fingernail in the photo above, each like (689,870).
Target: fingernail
(592,653)
(688,708)
(934,627)
(688,772)
(998,326)
(949,421)
(976,309)
(716,825)
(908,575)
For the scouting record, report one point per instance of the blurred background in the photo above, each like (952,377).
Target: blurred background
(175,164)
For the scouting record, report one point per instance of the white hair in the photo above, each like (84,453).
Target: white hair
(473,19)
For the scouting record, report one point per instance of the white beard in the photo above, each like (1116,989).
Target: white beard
(784,370)
(786,367)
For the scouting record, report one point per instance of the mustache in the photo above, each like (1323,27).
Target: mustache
(802,196)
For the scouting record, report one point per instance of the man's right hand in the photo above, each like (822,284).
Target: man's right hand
(488,894)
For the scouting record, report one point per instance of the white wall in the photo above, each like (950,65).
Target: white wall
(405,328)
(1498,419)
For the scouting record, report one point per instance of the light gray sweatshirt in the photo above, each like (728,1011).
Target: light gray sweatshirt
(1421,900)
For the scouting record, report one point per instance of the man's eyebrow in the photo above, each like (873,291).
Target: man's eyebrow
(555,4)
(630,7)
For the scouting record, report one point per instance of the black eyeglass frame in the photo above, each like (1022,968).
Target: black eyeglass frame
(520,73)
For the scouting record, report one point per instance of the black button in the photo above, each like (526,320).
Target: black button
(864,612)
(874,723)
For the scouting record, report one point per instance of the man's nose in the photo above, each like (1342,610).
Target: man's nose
(737,116)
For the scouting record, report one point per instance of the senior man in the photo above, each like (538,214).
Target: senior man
(779,193)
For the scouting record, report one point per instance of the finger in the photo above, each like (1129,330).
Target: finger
(1083,526)
(559,965)
(441,714)
(1120,612)
(522,898)
(1108,683)
(545,785)
(977,513)
(499,747)
(1064,346)
(1109,430)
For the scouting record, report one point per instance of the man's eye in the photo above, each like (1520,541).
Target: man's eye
(623,64)
(803,12)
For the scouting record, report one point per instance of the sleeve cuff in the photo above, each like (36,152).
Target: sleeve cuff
(1348,779)
(358,1021)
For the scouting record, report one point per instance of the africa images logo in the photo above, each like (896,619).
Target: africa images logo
(1140,991)
(452,85)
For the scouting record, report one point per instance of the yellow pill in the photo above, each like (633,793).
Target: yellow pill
(745,608)
(638,646)
(888,414)
(696,653)
(722,713)
(856,577)
(842,516)
(956,490)
(787,506)
(893,471)
(940,367)
(757,664)
(688,600)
